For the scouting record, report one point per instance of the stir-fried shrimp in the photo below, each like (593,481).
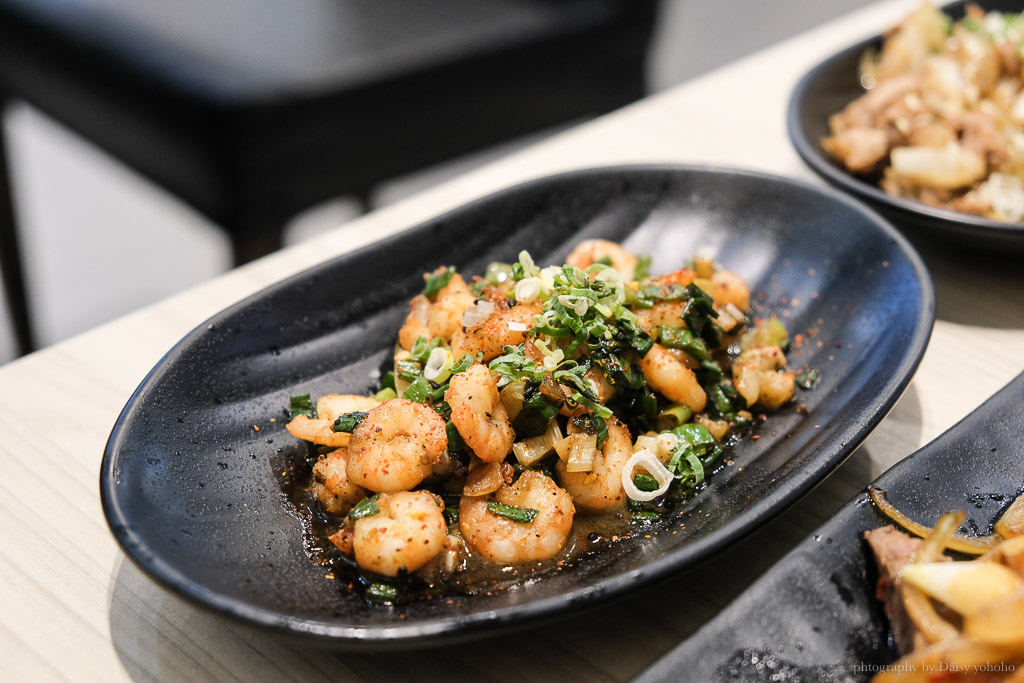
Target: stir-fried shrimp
(407,532)
(331,485)
(589,252)
(478,414)
(758,379)
(500,539)
(670,376)
(506,326)
(396,446)
(600,489)
(668,313)
(729,288)
(438,318)
(543,373)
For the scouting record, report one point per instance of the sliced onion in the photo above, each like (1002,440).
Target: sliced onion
(968,545)
(529,451)
(646,441)
(517,326)
(512,398)
(648,461)
(582,454)
(477,313)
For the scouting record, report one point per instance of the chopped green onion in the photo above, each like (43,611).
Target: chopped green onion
(605,261)
(643,268)
(516,514)
(408,370)
(367,507)
(455,440)
(696,467)
(381,592)
(385,394)
(387,381)
(301,405)
(419,391)
(439,365)
(497,273)
(673,416)
(435,282)
(644,516)
(682,338)
(808,379)
(349,421)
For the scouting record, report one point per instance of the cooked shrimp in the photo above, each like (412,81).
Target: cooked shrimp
(407,533)
(501,539)
(670,376)
(729,288)
(396,446)
(601,488)
(668,313)
(437,318)
(331,485)
(589,252)
(507,325)
(479,415)
(317,430)
(758,380)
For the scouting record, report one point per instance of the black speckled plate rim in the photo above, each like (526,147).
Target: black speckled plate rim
(412,635)
(769,599)
(979,231)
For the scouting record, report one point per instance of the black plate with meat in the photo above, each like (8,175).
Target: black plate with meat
(814,616)
(826,90)
(197,497)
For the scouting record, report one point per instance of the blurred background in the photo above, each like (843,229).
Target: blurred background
(99,241)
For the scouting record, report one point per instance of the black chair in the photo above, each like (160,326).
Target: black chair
(253,110)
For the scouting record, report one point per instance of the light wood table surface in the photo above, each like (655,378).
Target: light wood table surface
(72,607)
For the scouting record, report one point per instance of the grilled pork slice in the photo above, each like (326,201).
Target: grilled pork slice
(892,550)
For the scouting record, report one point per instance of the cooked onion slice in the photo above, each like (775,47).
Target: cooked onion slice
(477,313)
(968,545)
(649,462)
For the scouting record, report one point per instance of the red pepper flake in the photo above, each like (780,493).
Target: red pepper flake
(256,427)
(755,437)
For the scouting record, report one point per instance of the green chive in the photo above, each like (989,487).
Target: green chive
(385,394)
(349,421)
(808,379)
(646,482)
(516,514)
(301,405)
(381,592)
(673,416)
(367,507)
(419,391)
(435,282)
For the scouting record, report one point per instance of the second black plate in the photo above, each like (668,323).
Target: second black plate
(833,84)
(814,616)
(192,476)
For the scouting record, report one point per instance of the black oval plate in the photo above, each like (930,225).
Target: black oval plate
(814,616)
(833,84)
(193,492)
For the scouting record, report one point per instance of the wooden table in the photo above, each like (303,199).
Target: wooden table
(73,608)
